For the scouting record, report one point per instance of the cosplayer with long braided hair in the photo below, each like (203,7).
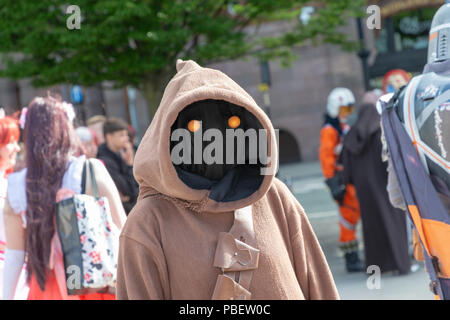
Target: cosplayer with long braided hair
(54,160)
(49,143)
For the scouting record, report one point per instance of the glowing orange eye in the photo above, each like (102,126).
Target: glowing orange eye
(193,125)
(234,122)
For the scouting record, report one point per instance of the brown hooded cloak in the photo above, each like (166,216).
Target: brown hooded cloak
(169,242)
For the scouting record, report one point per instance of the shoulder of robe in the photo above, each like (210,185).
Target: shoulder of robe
(281,192)
(145,218)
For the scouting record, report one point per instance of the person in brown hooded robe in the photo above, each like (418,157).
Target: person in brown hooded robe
(384,227)
(211,231)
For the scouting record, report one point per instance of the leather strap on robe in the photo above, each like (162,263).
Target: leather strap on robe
(237,258)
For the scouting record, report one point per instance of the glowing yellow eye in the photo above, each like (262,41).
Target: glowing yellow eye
(234,122)
(193,125)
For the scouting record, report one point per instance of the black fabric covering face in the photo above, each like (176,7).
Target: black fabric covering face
(227,182)
(367,124)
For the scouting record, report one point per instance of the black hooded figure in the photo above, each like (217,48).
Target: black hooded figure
(384,227)
(221,116)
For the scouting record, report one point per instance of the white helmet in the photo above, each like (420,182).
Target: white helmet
(339,97)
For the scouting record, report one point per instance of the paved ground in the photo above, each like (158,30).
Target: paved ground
(306,182)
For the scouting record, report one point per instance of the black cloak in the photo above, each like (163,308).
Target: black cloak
(384,227)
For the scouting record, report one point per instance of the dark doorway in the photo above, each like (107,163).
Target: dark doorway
(289,150)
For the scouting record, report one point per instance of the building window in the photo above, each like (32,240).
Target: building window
(382,41)
(405,31)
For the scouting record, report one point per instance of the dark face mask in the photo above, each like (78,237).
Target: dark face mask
(220,115)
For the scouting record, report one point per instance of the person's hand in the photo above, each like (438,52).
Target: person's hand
(336,187)
(124,198)
(127,154)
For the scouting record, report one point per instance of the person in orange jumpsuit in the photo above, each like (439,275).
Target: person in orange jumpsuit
(339,107)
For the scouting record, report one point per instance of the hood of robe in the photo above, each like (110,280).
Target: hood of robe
(154,169)
(367,123)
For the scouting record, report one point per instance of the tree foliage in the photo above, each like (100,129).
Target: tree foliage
(133,42)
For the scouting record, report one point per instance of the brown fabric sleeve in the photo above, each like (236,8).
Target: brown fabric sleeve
(142,271)
(311,267)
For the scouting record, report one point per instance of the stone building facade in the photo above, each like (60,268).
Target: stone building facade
(298,94)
